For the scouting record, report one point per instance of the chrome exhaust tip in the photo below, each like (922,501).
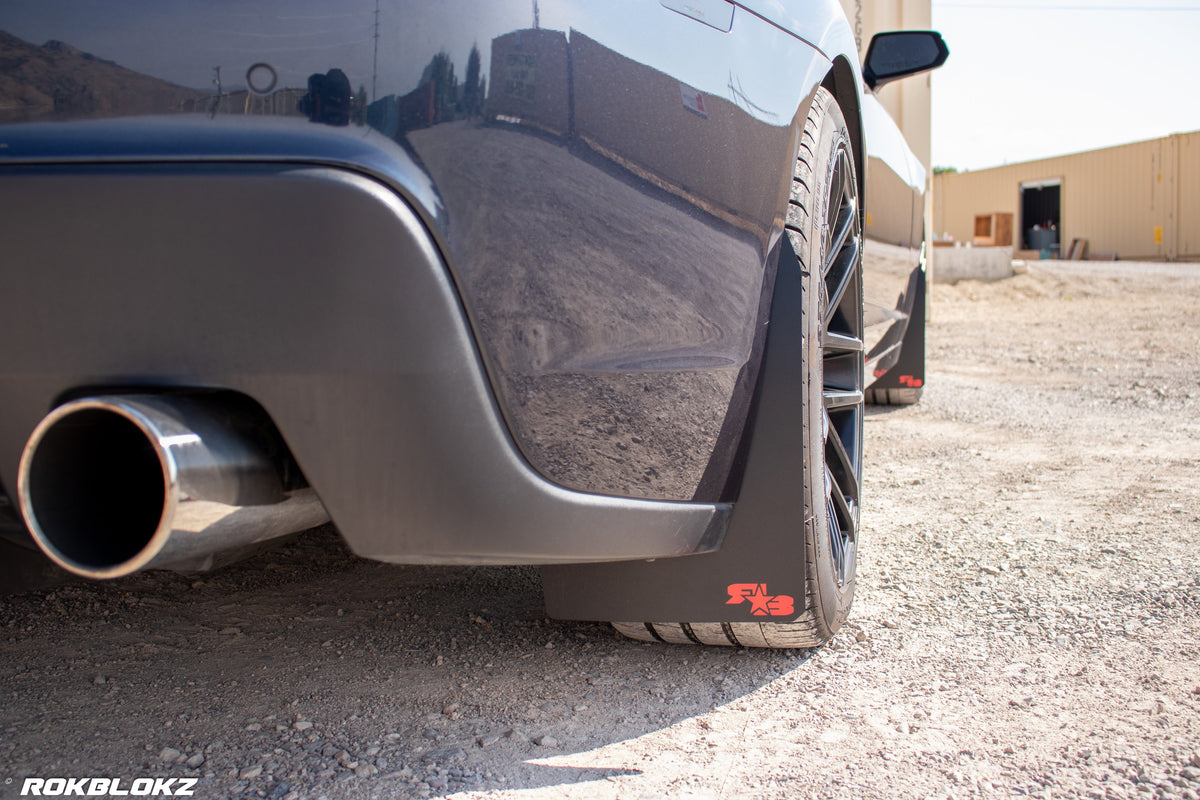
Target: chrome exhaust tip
(114,484)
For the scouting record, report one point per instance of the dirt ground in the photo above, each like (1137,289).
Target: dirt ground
(1027,619)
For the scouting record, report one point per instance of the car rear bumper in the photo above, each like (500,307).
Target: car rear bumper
(319,292)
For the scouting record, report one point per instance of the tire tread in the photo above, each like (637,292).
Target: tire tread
(894,397)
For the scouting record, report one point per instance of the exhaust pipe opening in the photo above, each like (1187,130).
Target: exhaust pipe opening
(114,484)
(96,489)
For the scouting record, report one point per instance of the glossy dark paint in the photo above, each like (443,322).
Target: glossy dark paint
(607,196)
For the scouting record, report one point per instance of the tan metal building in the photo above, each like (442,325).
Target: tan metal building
(906,101)
(1138,201)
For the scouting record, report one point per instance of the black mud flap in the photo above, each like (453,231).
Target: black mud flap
(904,367)
(758,575)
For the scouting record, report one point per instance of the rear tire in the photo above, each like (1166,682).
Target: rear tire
(894,397)
(825,231)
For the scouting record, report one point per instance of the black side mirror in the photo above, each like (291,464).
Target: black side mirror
(898,54)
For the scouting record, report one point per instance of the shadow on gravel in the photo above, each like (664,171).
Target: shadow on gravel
(881,411)
(307,669)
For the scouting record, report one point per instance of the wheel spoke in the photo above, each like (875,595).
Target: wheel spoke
(843,468)
(847,260)
(846,219)
(837,541)
(840,343)
(843,523)
(844,512)
(840,398)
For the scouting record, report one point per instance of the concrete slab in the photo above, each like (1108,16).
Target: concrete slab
(954,264)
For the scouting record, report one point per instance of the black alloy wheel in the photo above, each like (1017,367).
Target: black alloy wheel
(842,352)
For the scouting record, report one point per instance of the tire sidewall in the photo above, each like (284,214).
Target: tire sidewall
(831,600)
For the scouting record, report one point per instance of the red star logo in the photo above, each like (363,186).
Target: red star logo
(760,601)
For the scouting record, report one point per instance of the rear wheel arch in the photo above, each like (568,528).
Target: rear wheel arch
(842,82)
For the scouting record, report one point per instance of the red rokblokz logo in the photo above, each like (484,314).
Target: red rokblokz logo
(761,603)
(108,787)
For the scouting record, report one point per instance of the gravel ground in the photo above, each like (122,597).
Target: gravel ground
(1026,622)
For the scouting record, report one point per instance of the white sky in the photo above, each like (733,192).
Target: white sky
(1029,79)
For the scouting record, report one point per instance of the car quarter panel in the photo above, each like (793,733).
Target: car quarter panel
(819,22)
(605,183)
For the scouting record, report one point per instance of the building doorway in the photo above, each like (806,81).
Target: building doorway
(1041,215)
